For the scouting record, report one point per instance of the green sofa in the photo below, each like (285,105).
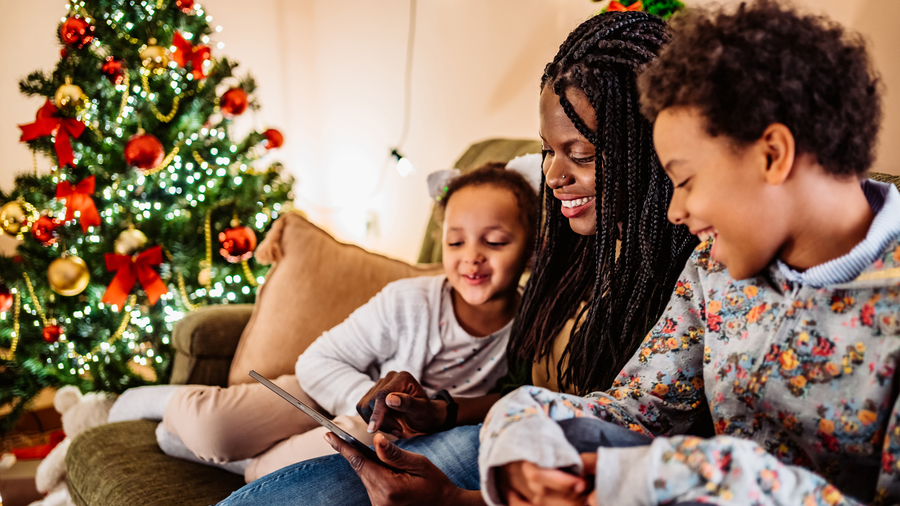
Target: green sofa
(120,464)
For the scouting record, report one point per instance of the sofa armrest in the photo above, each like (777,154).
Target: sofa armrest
(205,341)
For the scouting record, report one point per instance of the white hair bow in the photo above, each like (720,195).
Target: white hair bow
(529,166)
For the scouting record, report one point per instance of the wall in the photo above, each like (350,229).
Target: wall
(330,75)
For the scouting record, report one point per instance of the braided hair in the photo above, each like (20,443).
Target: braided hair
(626,293)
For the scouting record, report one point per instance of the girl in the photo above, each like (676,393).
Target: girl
(606,257)
(449,332)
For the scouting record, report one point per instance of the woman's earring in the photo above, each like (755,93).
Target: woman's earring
(563,176)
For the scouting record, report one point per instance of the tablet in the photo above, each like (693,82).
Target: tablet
(322,419)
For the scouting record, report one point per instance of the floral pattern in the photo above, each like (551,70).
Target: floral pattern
(799,382)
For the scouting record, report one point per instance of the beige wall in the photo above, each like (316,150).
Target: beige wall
(330,75)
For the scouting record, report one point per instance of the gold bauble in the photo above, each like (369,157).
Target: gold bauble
(155,58)
(205,276)
(12,218)
(68,275)
(69,96)
(130,241)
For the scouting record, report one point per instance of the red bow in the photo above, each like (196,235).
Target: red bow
(131,269)
(78,198)
(186,53)
(47,123)
(616,6)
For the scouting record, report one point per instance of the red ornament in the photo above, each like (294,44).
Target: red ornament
(233,102)
(76,32)
(63,53)
(44,231)
(144,151)
(48,123)
(114,70)
(6,298)
(274,137)
(237,243)
(185,5)
(52,333)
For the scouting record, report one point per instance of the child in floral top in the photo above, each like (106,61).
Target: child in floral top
(785,323)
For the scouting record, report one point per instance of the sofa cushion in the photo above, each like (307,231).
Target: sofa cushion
(120,463)
(315,284)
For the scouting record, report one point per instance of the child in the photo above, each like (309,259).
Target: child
(784,324)
(449,332)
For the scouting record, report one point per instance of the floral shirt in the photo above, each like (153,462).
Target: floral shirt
(801,383)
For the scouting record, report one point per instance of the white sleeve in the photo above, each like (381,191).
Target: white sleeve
(333,369)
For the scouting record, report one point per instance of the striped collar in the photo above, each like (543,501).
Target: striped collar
(884,199)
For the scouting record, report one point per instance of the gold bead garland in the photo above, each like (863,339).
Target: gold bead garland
(124,102)
(145,80)
(249,274)
(166,161)
(34,299)
(11,354)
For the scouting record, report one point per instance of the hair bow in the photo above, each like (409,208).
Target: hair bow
(617,6)
(529,166)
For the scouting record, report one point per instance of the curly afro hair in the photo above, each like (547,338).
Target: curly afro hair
(765,63)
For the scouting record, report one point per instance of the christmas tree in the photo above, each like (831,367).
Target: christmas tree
(662,8)
(150,211)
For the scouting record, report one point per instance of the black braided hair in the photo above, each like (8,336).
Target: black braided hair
(626,294)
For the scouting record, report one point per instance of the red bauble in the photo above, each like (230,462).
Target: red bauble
(144,151)
(63,53)
(274,137)
(185,5)
(233,102)
(6,298)
(237,243)
(44,231)
(52,333)
(76,32)
(114,70)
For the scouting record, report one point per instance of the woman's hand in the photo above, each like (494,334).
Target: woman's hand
(525,484)
(416,480)
(399,405)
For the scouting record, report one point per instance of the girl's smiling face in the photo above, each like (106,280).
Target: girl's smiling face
(484,243)
(569,158)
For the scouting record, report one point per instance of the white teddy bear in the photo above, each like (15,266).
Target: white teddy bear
(79,413)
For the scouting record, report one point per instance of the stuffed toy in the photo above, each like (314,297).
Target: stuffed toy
(79,413)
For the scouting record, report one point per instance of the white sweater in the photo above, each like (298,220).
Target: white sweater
(399,329)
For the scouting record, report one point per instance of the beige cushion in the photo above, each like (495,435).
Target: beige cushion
(315,284)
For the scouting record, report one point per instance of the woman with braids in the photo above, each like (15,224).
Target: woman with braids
(605,264)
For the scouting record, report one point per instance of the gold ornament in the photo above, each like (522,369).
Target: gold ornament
(205,276)
(155,58)
(69,96)
(12,218)
(68,275)
(130,241)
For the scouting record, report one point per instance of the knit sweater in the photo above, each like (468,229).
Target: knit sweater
(801,382)
(399,329)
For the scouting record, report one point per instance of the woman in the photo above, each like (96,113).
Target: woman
(606,257)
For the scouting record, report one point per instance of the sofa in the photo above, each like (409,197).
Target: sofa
(314,284)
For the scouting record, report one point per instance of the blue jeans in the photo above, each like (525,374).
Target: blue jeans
(330,480)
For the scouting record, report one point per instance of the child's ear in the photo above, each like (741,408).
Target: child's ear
(779,148)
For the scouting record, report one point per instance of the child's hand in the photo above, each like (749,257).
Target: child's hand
(398,404)
(523,483)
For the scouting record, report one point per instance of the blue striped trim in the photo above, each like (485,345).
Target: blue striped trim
(885,202)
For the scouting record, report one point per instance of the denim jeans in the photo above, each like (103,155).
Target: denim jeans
(330,480)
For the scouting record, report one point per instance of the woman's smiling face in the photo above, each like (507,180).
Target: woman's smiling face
(569,161)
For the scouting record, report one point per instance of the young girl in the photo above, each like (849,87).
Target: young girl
(448,331)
